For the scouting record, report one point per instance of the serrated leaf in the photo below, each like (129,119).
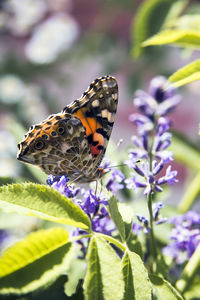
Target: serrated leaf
(137,284)
(163,290)
(31,263)
(75,273)
(43,202)
(187,74)
(148,21)
(190,195)
(184,38)
(121,216)
(104,279)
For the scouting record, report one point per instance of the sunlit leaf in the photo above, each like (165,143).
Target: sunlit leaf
(104,279)
(137,284)
(187,74)
(181,145)
(121,215)
(189,271)
(190,195)
(148,21)
(38,259)
(163,290)
(183,38)
(43,202)
(75,273)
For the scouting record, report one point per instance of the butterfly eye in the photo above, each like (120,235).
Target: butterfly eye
(61,129)
(39,145)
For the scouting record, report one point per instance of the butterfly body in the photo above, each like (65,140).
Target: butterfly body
(73,142)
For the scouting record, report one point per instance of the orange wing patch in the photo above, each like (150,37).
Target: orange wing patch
(96,140)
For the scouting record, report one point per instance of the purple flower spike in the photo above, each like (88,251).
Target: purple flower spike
(114,184)
(59,183)
(145,223)
(156,216)
(168,178)
(160,90)
(185,236)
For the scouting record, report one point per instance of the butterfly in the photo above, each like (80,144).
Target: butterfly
(73,142)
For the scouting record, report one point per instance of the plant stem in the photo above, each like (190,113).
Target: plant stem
(152,239)
(112,240)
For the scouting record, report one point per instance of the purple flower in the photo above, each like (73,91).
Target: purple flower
(59,183)
(3,236)
(147,178)
(114,184)
(95,207)
(145,223)
(156,213)
(150,153)
(185,236)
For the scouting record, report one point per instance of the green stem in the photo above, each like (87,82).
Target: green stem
(152,238)
(79,237)
(112,240)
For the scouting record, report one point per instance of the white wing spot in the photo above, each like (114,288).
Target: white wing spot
(95,103)
(104,113)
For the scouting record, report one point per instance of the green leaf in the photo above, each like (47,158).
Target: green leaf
(181,145)
(190,195)
(148,21)
(190,270)
(75,273)
(134,245)
(163,290)
(43,202)
(187,74)
(137,284)
(188,22)
(183,38)
(175,11)
(39,258)
(104,279)
(121,216)
(193,292)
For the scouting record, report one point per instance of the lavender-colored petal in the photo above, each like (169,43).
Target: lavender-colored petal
(157,168)
(168,105)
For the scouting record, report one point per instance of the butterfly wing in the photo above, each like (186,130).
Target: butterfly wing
(58,146)
(97,109)
(74,141)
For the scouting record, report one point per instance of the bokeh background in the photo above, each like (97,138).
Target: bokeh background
(50,51)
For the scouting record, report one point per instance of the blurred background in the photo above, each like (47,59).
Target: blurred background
(50,51)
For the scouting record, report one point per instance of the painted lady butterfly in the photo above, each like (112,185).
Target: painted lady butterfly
(73,142)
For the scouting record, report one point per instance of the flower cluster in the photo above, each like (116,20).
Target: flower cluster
(114,183)
(93,205)
(158,219)
(185,236)
(149,156)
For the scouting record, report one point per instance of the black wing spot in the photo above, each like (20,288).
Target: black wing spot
(90,138)
(103,133)
(94,143)
(100,147)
